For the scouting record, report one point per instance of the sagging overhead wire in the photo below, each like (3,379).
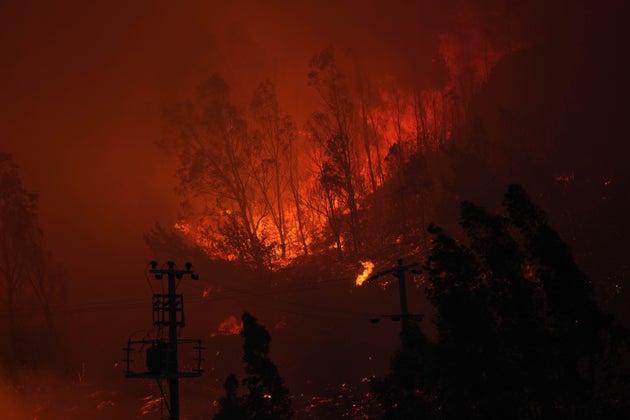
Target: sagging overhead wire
(233,293)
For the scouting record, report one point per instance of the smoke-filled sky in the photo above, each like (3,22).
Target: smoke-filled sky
(83,85)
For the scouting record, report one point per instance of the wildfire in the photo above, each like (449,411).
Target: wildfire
(368,266)
(230,326)
(290,210)
(183,227)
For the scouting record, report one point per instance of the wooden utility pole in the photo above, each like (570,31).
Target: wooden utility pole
(162,356)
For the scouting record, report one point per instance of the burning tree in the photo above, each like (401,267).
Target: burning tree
(277,174)
(219,160)
(25,275)
(239,174)
(251,192)
(333,132)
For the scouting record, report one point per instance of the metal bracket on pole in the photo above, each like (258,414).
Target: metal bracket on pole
(161,358)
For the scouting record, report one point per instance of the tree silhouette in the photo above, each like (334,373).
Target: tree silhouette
(332,131)
(25,273)
(277,133)
(402,393)
(231,406)
(519,332)
(267,397)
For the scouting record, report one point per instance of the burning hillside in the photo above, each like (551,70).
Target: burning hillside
(262,190)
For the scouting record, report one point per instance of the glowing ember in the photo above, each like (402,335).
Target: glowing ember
(565,179)
(151,404)
(183,227)
(104,404)
(368,266)
(280,325)
(209,291)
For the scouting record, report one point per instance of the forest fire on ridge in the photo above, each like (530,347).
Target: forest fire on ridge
(262,191)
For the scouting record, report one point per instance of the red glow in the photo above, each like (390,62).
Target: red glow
(229,326)
(84,85)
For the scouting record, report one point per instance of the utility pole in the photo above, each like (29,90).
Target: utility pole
(173,307)
(400,273)
(162,356)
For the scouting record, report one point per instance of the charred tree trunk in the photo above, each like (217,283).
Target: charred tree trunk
(379,158)
(354,215)
(299,216)
(400,173)
(280,220)
(333,131)
(366,138)
(335,225)
(421,133)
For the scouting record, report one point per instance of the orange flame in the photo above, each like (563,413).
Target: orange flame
(229,326)
(368,266)
(151,404)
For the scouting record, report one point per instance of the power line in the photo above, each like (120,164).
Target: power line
(233,294)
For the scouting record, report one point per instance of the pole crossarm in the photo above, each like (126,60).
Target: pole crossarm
(399,272)
(172,271)
(161,309)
